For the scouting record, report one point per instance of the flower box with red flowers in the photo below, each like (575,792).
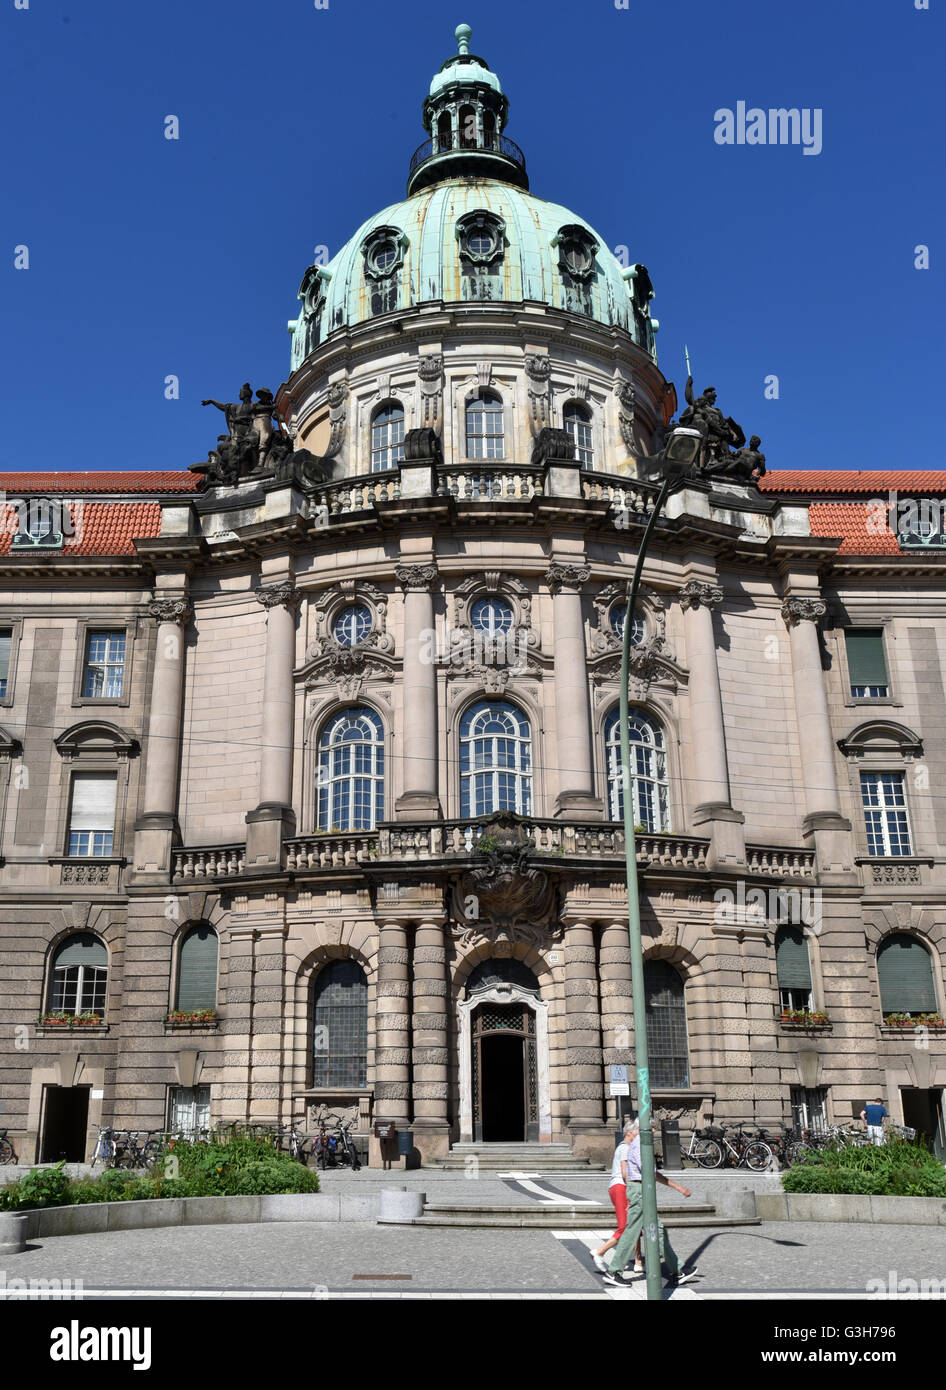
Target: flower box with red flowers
(806,1018)
(59,1019)
(190,1018)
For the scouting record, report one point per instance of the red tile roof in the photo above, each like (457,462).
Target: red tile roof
(925,482)
(856,527)
(159,483)
(99,528)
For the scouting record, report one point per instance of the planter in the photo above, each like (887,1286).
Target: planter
(190,1020)
(70,1021)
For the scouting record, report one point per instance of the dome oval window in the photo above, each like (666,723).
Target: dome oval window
(352,625)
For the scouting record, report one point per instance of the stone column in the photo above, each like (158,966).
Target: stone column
(823,820)
(430,1042)
(274,818)
(617,1006)
(576,796)
(710,795)
(392,1056)
(585,1076)
(157,829)
(419,799)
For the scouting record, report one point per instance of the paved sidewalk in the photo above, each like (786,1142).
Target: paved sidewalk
(359,1260)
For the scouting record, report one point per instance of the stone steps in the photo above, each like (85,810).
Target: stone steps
(519,1158)
(699,1215)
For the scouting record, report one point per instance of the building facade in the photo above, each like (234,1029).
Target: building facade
(310,776)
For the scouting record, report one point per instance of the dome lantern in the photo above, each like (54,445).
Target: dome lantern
(464,114)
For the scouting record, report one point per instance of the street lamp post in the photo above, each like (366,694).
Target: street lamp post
(681,450)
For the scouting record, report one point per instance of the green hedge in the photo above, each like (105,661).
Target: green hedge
(894,1169)
(240,1167)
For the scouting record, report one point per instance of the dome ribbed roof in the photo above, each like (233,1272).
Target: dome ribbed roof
(430,266)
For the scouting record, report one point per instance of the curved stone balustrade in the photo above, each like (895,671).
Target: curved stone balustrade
(477,483)
(222,861)
(780,862)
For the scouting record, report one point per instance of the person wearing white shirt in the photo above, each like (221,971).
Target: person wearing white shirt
(617,1191)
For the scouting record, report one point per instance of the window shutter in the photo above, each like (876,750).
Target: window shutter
(93,801)
(865,656)
(6,639)
(906,977)
(197,978)
(82,950)
(791,959)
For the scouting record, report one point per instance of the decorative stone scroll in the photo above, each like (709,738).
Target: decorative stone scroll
(568,577)
(696,593)
(281,595)
(416,579)
(803,610)
(171,610)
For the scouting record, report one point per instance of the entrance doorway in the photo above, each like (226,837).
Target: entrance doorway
(505,1092)
(923,1111)
(65,1123)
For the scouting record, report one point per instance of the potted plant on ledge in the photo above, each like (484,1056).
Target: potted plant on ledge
(191,1016)
(811,1018)
(58,1018)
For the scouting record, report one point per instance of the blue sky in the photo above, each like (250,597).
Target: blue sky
(151,257)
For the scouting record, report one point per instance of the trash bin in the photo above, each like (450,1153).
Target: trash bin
(670,1142)
(405,1142)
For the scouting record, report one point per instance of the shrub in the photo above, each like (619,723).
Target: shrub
(894,1169)
(42,1187)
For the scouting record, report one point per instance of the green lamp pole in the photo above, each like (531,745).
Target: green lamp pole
(680,451)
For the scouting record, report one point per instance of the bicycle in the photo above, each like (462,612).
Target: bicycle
(747,1149)
(704,1148)
(349,1154)
(7,1154)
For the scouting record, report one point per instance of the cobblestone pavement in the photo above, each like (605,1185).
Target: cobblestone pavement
(346,1260)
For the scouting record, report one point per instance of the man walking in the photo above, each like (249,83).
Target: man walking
(873,1116)
(635,1221)
(617,1191)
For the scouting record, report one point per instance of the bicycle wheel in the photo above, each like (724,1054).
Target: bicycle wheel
(6,1152)
(758,1157)
(708,1154)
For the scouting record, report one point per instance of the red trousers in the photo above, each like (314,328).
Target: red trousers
(618,1195)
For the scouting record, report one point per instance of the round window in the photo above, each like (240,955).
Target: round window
(481,243)
(638,627)
(385,255)
(491,615)
(352,625)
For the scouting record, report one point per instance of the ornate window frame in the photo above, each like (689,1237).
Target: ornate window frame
(661,748)
(525,778)
(373,243)
(883,746)
(94,746)
(575,234)
(466,653)
(320,727)
(481,221)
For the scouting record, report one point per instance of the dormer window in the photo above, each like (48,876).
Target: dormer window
(481,237)
(576,250)
(383,251)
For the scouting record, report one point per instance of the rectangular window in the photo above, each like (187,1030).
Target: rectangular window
(6,644)
(885,813)
(188,1110)
(92,814)
(104,666)
(808,1108)
(866,666)
(795,998)
(79,989)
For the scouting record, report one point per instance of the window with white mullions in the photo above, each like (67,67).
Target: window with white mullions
(104,666)
(495,760)
(484,427)
(491,615)
(188,1110)
(866,664)
(92,814)
(618,617)
(387,437)
(883,797)
(352,625)
(79,976)
(648,766)
(351,771)
(577,420)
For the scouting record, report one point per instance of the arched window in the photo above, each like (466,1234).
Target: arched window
(197,970)
(351,771)
(489,130)
(387,436)
(495,760)
(577,420)
(905,969)
(340,1033)
(649,764)
(666,1025)
(79,976)
(467,120)
(793,968)
(444,131)
(484,427)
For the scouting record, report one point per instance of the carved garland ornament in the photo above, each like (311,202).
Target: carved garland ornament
(538,373)
(799,610)
(281,595)
(171,610)
(696,593)
(349,666)
(569,577)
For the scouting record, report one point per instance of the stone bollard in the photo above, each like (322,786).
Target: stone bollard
(398,1204)
(12,1232)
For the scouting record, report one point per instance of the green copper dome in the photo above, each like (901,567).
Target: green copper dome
(470,232)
